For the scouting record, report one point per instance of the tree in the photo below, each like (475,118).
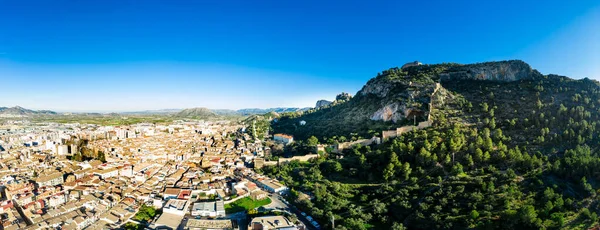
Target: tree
(406,170)
(478,155)
(334,166)
(586,186)
(528,214)
(474,215)
(484,107)
(394,159)
(388,172)
(457,169)
(354,223)
(312,141)
(101,157)
(470,162)
(398,226)
(488,144)
(379,207)
(558,218)
(132,226)
(145,213)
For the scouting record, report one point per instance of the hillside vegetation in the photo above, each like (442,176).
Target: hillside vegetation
(20,111)
(510,148)
(196,113)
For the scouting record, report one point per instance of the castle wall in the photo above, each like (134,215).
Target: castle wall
(386,135)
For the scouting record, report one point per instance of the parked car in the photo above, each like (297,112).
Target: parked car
(309,218)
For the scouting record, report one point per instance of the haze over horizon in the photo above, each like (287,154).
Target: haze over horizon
(116,56)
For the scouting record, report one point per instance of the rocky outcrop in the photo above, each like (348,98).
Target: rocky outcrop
(391,112)
(376,88)
(321,103)
(491,71)
(343,97)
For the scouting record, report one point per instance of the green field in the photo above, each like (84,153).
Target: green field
(245,204)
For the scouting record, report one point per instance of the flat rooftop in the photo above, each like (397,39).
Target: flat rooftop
(168,220)
(273,222)
(209,224)
(176,204)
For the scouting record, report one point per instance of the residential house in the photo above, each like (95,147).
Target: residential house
(283,138)
(50,180)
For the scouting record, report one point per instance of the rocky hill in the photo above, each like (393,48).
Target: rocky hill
(397,97)
(509,148)
(322,103)
(196,113)
(256,111)
(20,111)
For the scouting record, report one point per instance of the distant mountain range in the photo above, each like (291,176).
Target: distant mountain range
(199,112)
(20,111)
(209,113)
(159,111)
(251,111)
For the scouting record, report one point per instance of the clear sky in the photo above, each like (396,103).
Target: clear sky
(136,55)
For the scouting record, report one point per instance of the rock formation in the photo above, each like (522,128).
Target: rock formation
(321,103)
(491,71)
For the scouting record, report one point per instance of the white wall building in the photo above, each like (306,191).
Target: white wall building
(284,138)
(210,209)
(107,173)
(176,206)
(62,150)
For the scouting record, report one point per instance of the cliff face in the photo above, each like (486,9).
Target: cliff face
(391,112)
(321,103)
(491,71)
(399,95)
(413,101)
(409,89)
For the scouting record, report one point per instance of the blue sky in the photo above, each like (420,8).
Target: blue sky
(137,55)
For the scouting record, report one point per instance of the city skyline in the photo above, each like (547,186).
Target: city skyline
(117,57)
